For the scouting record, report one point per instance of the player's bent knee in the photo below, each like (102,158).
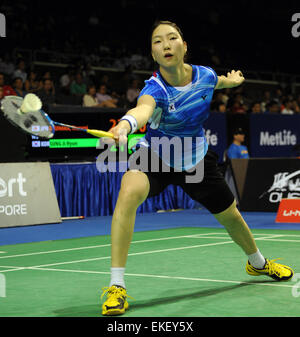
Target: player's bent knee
(230,216)
(134,187)
(228,212)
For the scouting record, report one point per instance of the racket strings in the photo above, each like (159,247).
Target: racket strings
(36,122)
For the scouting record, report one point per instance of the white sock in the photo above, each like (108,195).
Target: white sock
(257,260)
(117,276)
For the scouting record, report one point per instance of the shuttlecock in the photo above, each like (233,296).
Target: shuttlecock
(30,103)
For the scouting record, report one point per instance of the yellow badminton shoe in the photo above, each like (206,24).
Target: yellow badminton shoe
(116,301)
(278,272)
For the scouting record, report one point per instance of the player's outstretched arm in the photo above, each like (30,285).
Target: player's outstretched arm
(141,113)
(233,79)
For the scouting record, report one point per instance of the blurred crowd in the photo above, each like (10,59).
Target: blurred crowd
(77,85)
(82,85)
(238,101)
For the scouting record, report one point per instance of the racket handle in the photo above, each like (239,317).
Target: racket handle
(99,133)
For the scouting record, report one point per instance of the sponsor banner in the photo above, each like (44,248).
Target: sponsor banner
(268,181)
(215,133)
(288,211)
(274,135)
(27,195)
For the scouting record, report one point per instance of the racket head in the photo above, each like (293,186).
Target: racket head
(36,123)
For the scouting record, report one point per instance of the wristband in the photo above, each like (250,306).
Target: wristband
(132,122)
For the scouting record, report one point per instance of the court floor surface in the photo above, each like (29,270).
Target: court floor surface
(177,272)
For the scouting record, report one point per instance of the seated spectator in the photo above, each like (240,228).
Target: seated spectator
(102,96)
(7,89)
(256,108)
(238,106)
(46,76)
(77,87)
(47,93)
(220,107)
(20,71)
(32,84)
(19,87)
(236,149)
(287,107)
(272,108)
(132,93)
(90,100)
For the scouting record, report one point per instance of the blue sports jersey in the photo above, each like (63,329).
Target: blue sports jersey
(180,112)
(237,151)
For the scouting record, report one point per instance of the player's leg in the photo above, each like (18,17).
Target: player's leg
(240,233)
(134,190)
(214,194)
(237,228)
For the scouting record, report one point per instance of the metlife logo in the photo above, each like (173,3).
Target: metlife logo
(273,135)
(280,138)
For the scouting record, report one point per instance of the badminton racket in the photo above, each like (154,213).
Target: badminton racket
(27,114)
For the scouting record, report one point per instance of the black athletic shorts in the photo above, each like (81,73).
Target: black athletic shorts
(212,192)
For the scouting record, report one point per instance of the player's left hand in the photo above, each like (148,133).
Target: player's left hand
(235,77)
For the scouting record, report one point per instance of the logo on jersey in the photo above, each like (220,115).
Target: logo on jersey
(172,107)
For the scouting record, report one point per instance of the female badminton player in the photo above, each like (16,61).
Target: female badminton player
(175,102)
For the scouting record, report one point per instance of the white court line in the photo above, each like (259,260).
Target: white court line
(165,277)
(280,240)
(12,269)
(140,253)
(289,235)
(205,235)
(108,245)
